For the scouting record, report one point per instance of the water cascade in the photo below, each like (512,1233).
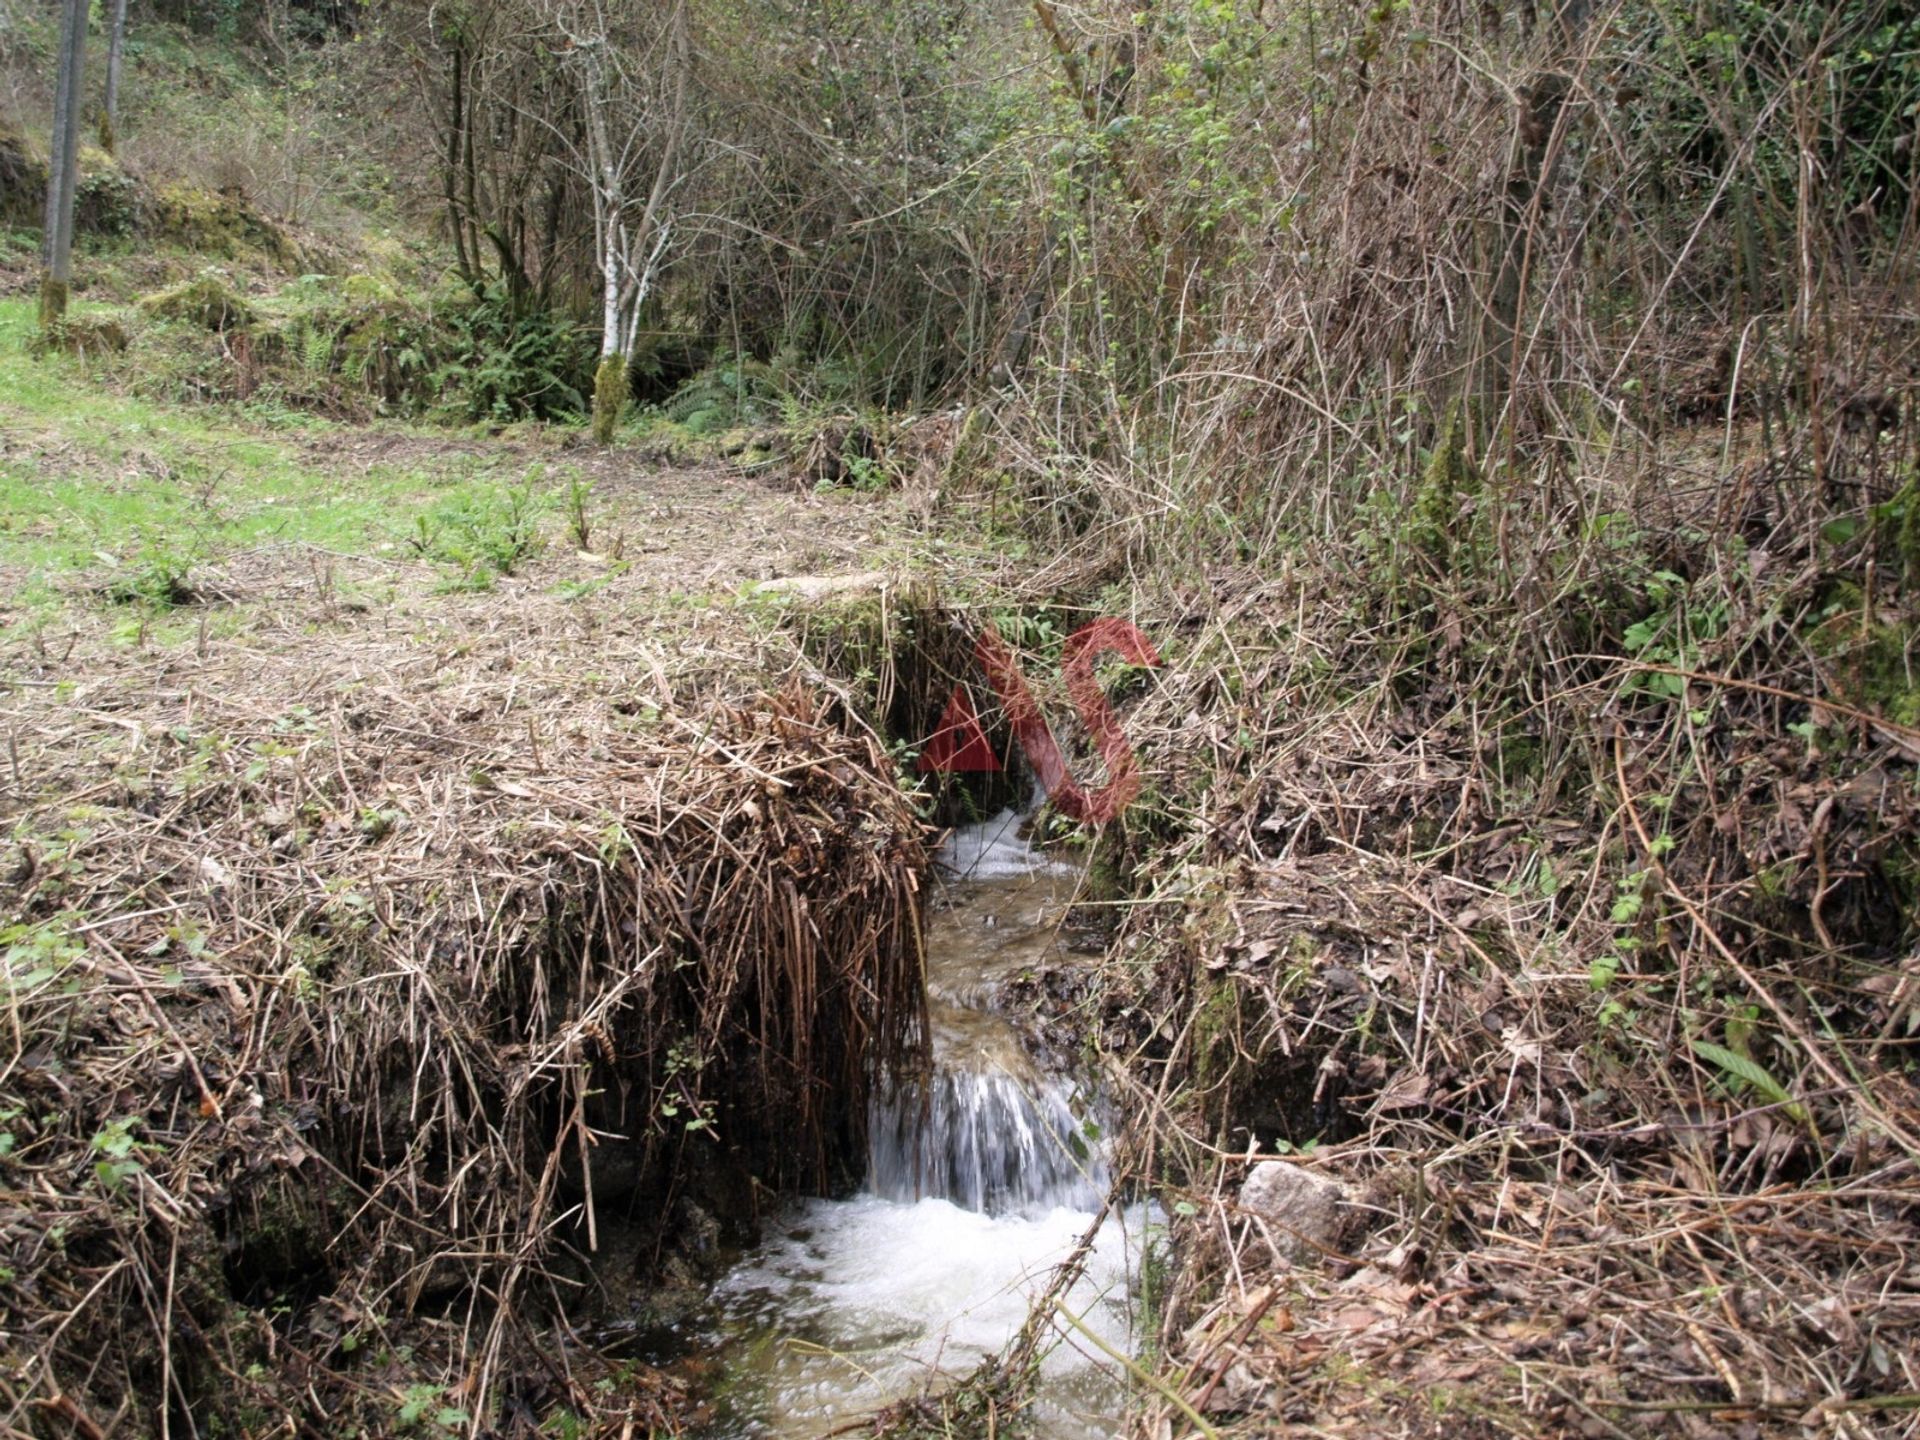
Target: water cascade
(982,1177)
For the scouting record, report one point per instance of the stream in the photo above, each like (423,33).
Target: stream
(978,1186)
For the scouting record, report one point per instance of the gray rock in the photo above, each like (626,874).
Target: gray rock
(1304,1212)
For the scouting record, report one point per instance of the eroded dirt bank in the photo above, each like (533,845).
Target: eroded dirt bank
(402,978)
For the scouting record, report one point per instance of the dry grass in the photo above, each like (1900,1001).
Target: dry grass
(1629,1122)
(1522,499)
(376,966)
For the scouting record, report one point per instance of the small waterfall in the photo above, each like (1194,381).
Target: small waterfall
(983,1175)
(987,1129)
(988,1141)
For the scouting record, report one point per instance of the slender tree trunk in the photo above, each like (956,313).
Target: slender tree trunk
(630,254)
(1530,174)
(63,166)
(116,45)
(464,262)
(609,201)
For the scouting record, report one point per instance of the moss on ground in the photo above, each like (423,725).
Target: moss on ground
(208,302)
(222,225)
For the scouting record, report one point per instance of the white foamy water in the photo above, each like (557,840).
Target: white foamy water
(982,1179)
(994,850)
(860,1302)
(989,1141)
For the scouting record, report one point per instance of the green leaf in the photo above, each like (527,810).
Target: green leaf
(1740,1068)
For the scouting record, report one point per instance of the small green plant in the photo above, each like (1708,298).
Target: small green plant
(579,516)
(1670,635)
(684,1063)
(866,474)
(1031,633)
(1742,1073)
(115,1147)
(572,590)
(36,955)
(158,577)
(377,824)
(422,1409)
(484,531)
(316,348)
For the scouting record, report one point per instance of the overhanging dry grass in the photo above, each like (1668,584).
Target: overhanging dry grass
(385,977)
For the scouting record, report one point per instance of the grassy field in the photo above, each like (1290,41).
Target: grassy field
(105,491)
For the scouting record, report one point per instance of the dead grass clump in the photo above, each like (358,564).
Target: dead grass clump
(346,1031)
(85,336)
(1599,1001)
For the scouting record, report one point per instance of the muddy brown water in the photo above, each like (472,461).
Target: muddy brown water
(977,1188)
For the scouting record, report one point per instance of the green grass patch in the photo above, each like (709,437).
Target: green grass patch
(135,493)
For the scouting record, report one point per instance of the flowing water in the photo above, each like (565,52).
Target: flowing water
(979,1184)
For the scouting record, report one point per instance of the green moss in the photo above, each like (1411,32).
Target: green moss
(206,302)
(1216,1026)
(1874,659)
(1522,758)
(1106,872)
(220,224)
(54,295)
(23,182)
(609,396)
(1906,538)
(361,288)
(1889,673)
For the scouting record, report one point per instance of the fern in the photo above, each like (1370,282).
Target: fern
(316,348)
(727,392)
(536,365)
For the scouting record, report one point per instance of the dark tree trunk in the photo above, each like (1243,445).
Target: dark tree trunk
(63,167)
(1529,176)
